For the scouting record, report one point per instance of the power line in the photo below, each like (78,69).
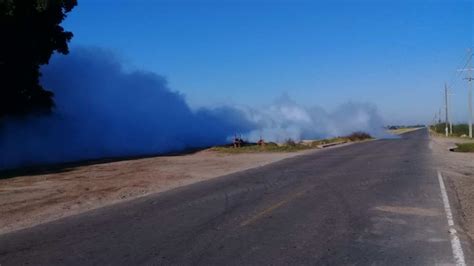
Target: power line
(455,78)
(469,79)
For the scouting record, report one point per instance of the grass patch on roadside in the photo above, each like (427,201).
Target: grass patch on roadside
(268,147)
(356,136)
(329,141)
(459,130)
(290,145)
(464,147)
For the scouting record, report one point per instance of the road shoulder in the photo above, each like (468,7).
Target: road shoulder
(458,172)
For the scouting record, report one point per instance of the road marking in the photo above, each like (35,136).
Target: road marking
(271,208)
(455,243)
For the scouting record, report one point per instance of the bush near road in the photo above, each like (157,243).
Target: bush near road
(358,136)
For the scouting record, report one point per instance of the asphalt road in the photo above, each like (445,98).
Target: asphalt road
(373,203)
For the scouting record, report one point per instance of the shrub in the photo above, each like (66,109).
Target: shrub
(290,142)
(359,136)
(271,144)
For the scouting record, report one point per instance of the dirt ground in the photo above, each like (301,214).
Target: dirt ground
(403,130)
(458,169)
(26,201)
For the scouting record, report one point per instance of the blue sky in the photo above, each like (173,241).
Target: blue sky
(395,54)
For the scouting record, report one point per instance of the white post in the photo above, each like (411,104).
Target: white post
(446,129)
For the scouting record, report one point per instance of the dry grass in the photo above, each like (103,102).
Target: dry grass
(290,145)
(268,147)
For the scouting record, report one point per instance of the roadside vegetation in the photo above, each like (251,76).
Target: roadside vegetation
(464,147)
(290,145)
(459,130)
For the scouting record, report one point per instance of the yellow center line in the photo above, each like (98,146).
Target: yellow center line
(271,208)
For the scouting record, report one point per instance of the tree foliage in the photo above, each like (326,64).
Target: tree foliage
(30,32)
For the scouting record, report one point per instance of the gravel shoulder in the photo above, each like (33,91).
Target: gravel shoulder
(458,169)
(30,200)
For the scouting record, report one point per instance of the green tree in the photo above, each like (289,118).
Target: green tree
(30,32)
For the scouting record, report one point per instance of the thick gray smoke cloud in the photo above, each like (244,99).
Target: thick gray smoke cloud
(286,119)
(104,111)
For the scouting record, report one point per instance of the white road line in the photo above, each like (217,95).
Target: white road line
(455,243)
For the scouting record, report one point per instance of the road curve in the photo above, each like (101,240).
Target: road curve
(374,203)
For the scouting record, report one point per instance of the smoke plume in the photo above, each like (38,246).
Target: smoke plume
(102,110)
(285,119)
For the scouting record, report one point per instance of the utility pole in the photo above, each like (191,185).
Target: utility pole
(447,109)
(469,79)
(439,116)
(450,113)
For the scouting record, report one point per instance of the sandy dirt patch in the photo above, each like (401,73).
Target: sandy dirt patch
(29,200)
(403,130)
(458,169)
